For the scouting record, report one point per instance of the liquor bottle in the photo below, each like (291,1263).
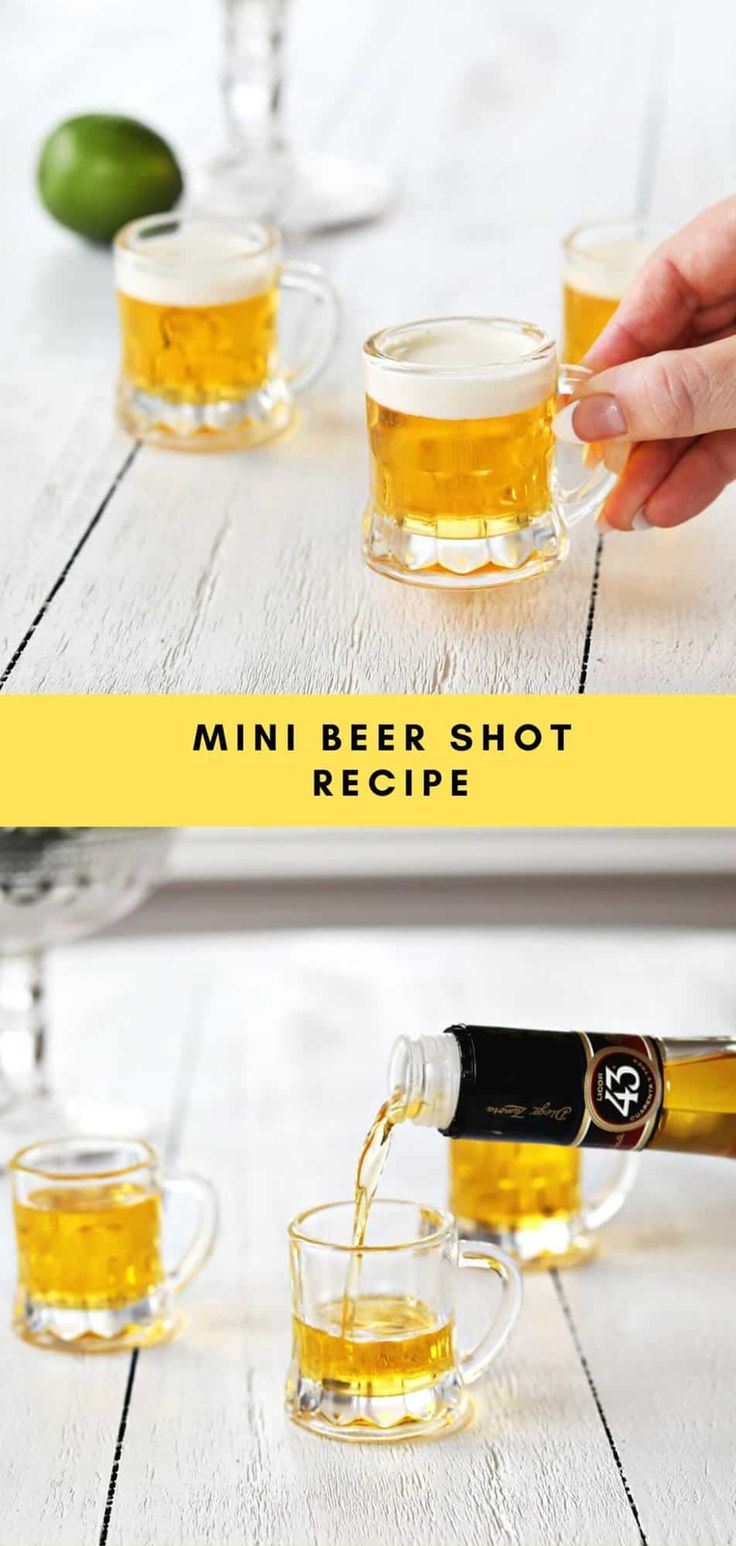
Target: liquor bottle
(571,1088)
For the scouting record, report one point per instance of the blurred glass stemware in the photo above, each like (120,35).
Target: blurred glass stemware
(58,884)
(259,175)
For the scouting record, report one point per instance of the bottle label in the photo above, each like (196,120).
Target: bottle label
(569,1088)
(622,1090)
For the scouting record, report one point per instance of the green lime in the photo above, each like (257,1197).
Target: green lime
(99,171)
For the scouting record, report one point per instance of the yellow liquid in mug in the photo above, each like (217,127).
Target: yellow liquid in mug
(199,354)
(461,478)
(92,1248)
(512,1186)
(585,318)
(597,275)
(395,1346)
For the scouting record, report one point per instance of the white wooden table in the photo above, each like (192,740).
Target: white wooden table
(503,122)
(608,1421)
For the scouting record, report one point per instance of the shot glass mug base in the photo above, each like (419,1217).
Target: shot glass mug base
(552,1244)
(220,426)
(470,563)
(146,1323)
(92,1271)
(375,1357)
(335,1412)
(199,302)
(469,488)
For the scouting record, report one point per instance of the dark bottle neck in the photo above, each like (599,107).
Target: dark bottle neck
(528,1086)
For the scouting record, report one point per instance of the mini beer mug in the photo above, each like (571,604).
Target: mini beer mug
(198,300)
(599,263)
(88,1216)
(467,487)
(374,1354)
(529,1198)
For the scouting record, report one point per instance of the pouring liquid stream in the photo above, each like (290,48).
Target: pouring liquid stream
(370,1168)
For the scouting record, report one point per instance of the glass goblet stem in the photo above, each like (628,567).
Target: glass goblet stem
(253,75)
(23,1028)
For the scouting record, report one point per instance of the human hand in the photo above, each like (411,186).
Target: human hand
(664,380)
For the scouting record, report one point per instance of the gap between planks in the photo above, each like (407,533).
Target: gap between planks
(117,1456)
(170,1149)
(646,176)
(69,565)
(577,1344)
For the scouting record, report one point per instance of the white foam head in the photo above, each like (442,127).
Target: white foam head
(460,368)
(194,265)
(607,267)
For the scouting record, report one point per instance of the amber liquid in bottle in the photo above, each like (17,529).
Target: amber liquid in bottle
(699,1101)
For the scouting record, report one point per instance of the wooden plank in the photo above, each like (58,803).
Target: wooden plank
(298,1037)
(62,456)
(59,1417)
(273,597)
(660,1348)
(258,1482)
(654,1321)
(664,617)
(268,592)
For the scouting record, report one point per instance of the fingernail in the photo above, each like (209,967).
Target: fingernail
(599,417)
(639,523)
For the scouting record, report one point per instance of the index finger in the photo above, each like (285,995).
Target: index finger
(694,268)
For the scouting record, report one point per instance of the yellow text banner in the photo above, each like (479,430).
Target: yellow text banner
(368,761)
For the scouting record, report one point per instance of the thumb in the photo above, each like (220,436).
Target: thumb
(668,396)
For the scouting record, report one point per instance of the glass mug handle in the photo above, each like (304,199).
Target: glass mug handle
(200,1248)
(586,498)
(605,1204)
(488,1257)
(313,281)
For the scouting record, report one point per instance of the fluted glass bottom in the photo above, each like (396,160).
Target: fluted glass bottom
(227,425)
(143,1324)
(471,563)
(334,1411)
